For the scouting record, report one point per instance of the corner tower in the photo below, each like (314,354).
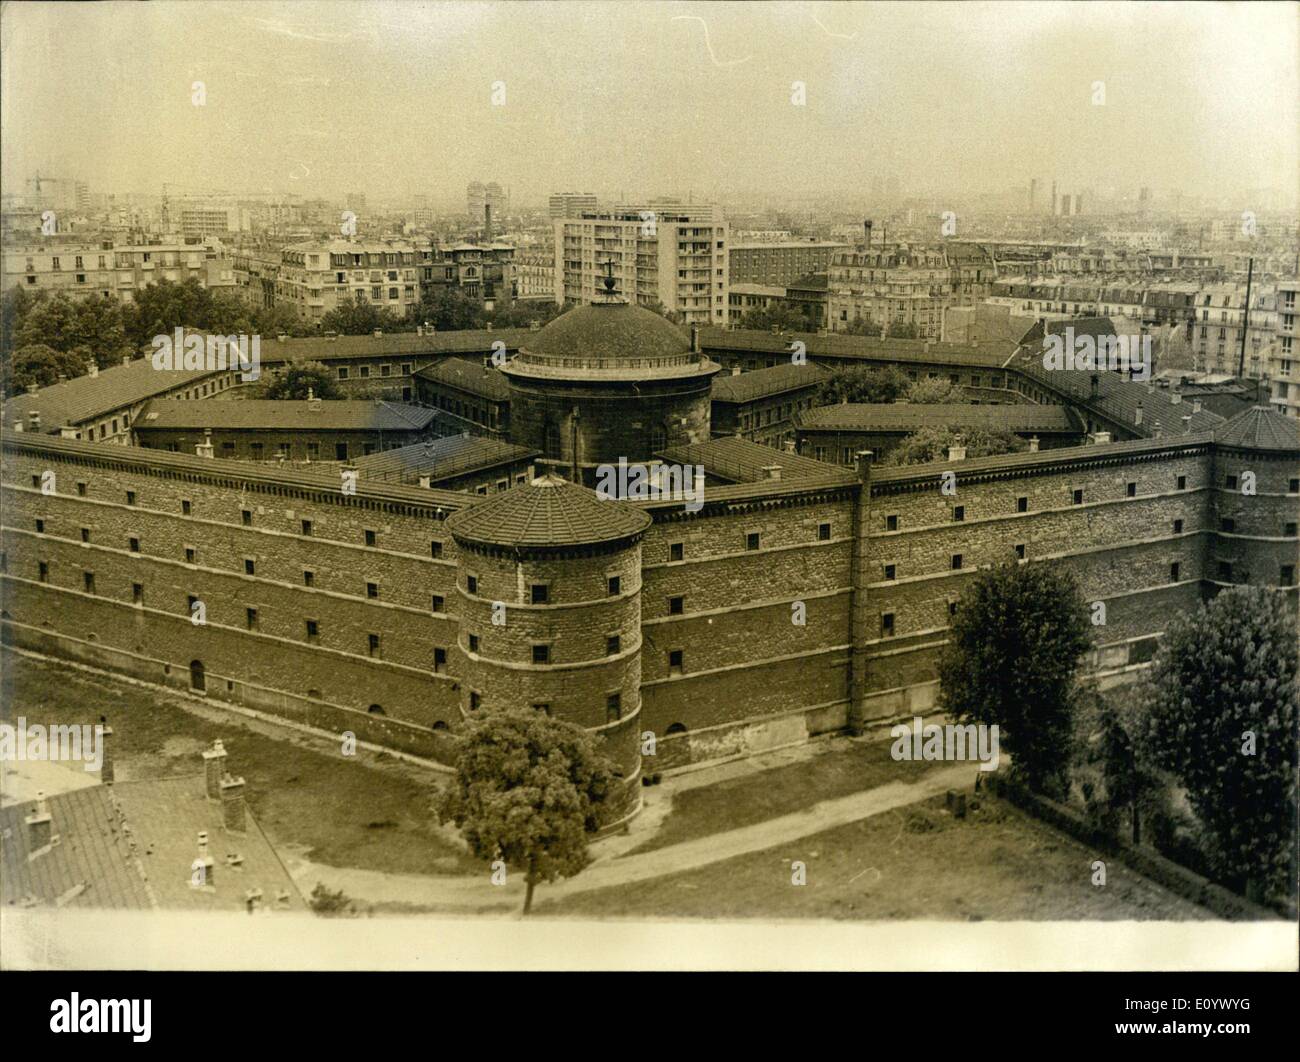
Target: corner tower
(550,603)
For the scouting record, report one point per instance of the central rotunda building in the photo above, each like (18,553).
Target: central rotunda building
(608,381)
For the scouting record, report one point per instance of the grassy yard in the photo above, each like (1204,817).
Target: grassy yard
(846,767)
(914,863)
(367,811)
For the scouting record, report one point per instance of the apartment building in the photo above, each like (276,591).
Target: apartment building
(781,262)
(890,284)
(669,254)
(317,277)
(106,267)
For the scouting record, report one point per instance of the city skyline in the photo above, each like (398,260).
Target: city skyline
(303,98)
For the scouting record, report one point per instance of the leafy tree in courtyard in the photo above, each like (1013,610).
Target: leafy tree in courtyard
(15,305)
(41,365)
(931,444)
(1014,647)
(862,385)
(902,330)
(449,310)
(528,790)
(359,318)
(297,380)
(934,391)
(779,315)
(861,326)
(1221,714)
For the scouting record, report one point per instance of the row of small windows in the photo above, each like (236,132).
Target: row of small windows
(541,651)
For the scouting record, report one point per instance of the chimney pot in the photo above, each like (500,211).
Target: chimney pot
(425,481)
(1175,397)
(771,471)
(735,370)
(1137,414)
(126,360)
(32,388)
(232,803)
(863,459)
(1033,444)
(1196,405)
(214,766)
(40,826)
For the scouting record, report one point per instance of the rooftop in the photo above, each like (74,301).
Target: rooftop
(906,417)
(285,415)
(748,386)
(471,376)
(743,461)
(1260,428)
(440,459)
(850,348)
(87,398)
(609,330)
(549,512)
(392,344)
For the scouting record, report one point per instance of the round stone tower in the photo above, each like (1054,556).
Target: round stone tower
(550,613)
(604,382)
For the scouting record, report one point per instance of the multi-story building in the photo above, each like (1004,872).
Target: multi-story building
(1284,373)
(479,195)
(317,277)
(890,285)
(107,267)
(1221,318)
(484,272)
(779,262)
(208,220)
(535,275)
(762,405)
(572,204)
(664,254)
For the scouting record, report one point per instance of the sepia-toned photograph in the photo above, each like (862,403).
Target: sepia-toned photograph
(643,485)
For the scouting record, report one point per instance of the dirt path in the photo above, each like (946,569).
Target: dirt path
(479,894)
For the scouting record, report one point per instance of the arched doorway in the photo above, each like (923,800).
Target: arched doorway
(197,680)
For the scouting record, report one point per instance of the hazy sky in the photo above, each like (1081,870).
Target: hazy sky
(639,97)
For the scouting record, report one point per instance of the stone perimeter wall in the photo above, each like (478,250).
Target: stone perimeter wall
(751,677)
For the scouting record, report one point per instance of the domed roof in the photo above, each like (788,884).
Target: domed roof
(1262,428)
(549,512)
(610,330)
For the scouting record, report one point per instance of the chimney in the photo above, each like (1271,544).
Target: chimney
(419,330)
(202,869)
(1187,423)
(1101,437)
(1175,397)
(863,458)
(1196,405)
(695,339)
(313,403)
(105,752)
(204,449)
(1033,444)
(788,445)
(32,388)
(487,222)
(282,337)
(40,826)
(425,481)
(378,332)
(214,767)
(62,377)
(1094,386)
(957,451)
(735,369)
(1137,415)
(92,370)
(126,360)
(771,471)
(534,326)
(232,803)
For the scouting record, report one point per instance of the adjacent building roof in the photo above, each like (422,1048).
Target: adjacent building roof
(88,398)
(1020,418)
(440,459)
(272,415)
(609,330)
(850,348)
(549,512)
(1260,428)
(742,461)
(396,344)
(761,383)
(470,376)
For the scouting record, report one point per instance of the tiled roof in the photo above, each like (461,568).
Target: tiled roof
(396,344)
(90,397)
(272,415)
(903,416)
(810,282)
(440,458)
(609,330)
(549,512)
(90,866)
(747,386)
(1260,428)
(468,376)
(850,348)
(743,461)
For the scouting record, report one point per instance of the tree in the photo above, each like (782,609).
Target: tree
(861,326)
(359,318)
(902,330)
(160,308)
(42,365)
(778,314)
(862,385)
(934,391)
(528,790)
(521,313)
(1221,718)
(450,310)
(297,380)
(658,307)
(932,444)
(15,304)
(1011,658)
